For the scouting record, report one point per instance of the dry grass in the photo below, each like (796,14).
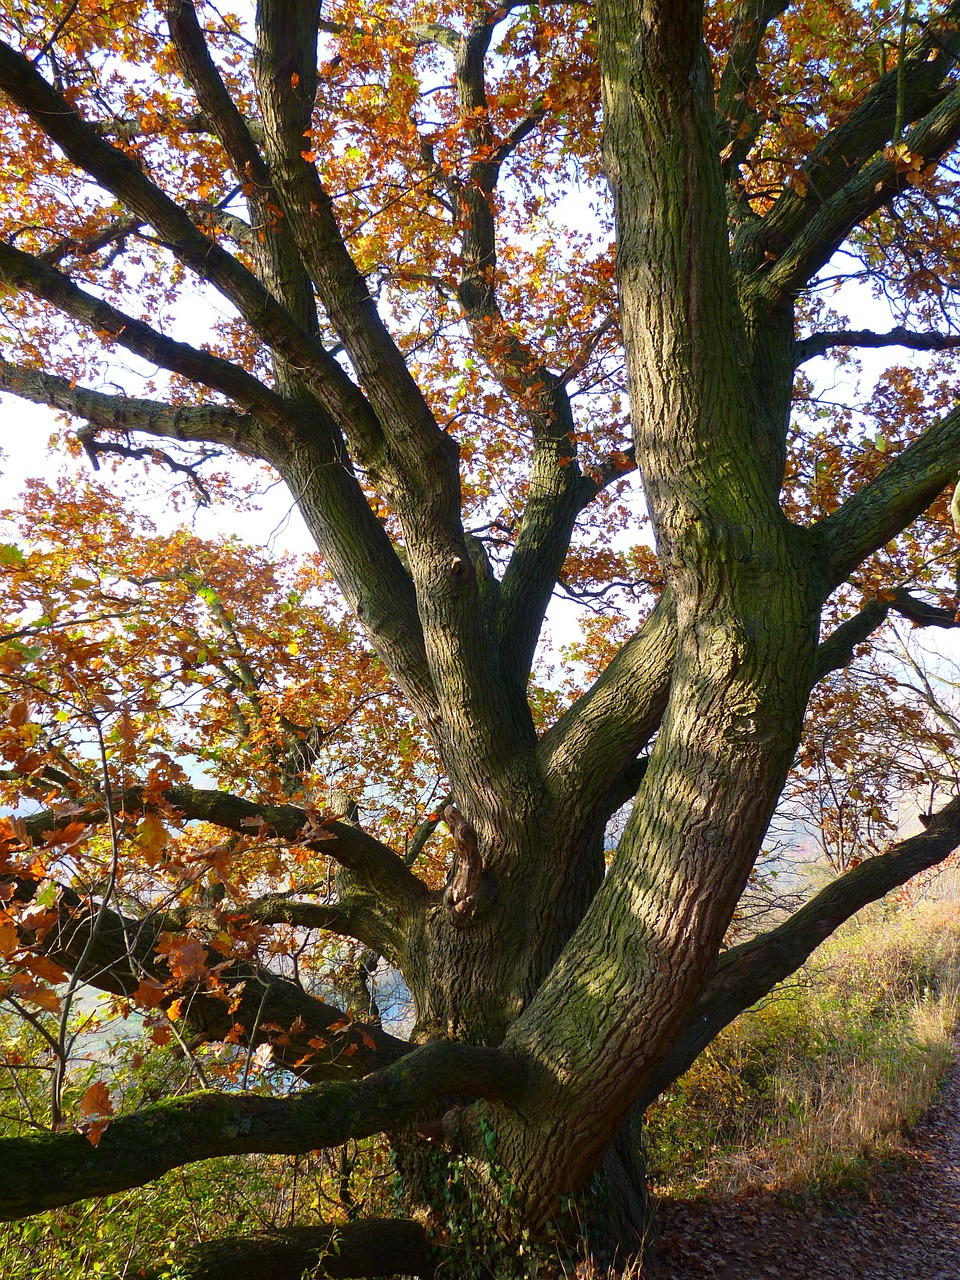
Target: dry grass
(803,1093)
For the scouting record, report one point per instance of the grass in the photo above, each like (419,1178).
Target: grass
(806,1092)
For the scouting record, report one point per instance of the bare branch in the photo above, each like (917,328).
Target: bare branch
(818,343)
(208,423)
(840,646)
(596,742)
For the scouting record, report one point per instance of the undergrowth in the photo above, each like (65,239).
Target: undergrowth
(802,1095)
(805,1093)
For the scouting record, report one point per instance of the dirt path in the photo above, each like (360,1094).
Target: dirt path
(909,1230)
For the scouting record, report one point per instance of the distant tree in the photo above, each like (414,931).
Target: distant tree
(395,215)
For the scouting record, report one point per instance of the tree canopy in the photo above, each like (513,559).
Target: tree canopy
(519,301)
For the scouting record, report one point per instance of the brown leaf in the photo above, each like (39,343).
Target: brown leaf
(96,1101)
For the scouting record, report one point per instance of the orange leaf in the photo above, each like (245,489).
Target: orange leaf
(42,967)
(186,957)
(94,1132)
(96,1101)
(9,937)
(67,835)
(149,993)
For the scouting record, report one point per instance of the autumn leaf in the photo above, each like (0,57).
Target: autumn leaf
(96,1104)
(9,936)
(96,1101)
(152,838)
(186,957)
(71,834)
(149,993)
(94,1132)
(262,1057)
(44,968)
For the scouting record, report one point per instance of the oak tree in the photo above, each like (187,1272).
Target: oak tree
(373,247)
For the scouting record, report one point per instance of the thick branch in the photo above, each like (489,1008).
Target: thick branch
(24,271)
(818,343)
(752,19)
(382,870)
(840,646)
(852,143)
(351,916)
(597,740)
(115,233)
(126,129)
(353,542)
(42,1171)
(554,498)
(371,1247)
(285,67)
(215,101)
(119,174)
(883,508)
(746,973)
(275,254)
(417,465)
(212,423)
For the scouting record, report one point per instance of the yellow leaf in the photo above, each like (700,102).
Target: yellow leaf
(152,838)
